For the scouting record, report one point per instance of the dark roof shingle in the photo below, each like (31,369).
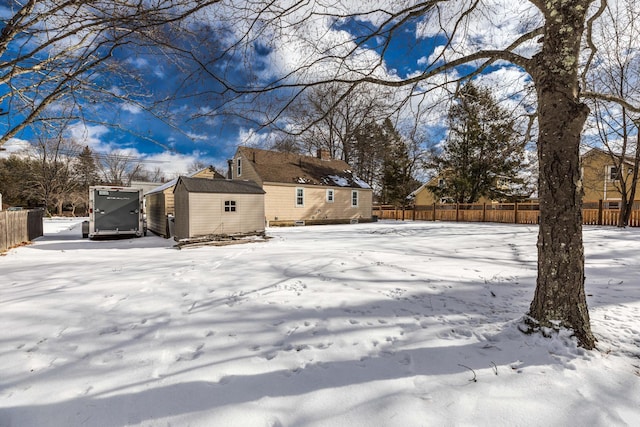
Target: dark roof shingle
(206,185)
(274,166)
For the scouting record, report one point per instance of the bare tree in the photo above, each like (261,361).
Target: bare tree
(64,53)
(554,43)
(119,168)
(619,74)
(329,117)
(51,179)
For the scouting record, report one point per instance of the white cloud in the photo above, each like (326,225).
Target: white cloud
(131,108)
(14,146)
(90,136)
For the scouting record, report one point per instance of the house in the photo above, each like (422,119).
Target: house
(601,177)
(304,189)
(422,196)
(159,203)
(217,207)
(504,190)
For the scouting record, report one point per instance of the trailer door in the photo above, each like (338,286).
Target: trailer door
(116,210)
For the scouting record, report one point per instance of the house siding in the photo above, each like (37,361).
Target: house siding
(595,178)
(248,171)
(280,203)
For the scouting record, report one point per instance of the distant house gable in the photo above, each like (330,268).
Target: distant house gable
(288,168)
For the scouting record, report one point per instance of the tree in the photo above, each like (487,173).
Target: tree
(14,172)
(398,168)
(553,43)
(119,168)
(51,179)
(85,172)
(619,74)
(58,58)
(483,155)
(330,117)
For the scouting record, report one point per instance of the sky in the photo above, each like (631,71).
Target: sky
(379,324)
(201,133)
(214,138)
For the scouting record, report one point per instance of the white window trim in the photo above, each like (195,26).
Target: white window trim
(300,205)
(332,198)
(239,166)
(356,198)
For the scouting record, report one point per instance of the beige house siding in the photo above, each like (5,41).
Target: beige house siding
(596,177)
(280,203)
(247,170)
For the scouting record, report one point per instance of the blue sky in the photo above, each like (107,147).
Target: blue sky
(212,139)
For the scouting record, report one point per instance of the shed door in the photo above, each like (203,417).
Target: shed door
(116,210)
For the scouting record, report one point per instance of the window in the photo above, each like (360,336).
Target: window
(330,196)
(230,206)
(354,198)
(299,196)
(238,167)
(613,173)
(440,182)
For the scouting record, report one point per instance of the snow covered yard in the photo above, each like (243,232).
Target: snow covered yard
(382,324)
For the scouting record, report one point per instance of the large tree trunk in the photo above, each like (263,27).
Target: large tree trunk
(560,299)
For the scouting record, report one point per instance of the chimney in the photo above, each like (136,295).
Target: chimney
(323,154)
(230,169)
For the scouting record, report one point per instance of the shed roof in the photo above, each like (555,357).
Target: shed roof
(275,166)
(206,185)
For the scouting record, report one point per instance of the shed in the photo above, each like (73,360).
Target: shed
(159,204)
(217,207)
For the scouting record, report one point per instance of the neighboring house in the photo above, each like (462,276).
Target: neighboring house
(425,197)
(601,177)
(217,207)
(316,190)
(159,203)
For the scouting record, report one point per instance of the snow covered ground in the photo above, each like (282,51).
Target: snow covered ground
(382,324)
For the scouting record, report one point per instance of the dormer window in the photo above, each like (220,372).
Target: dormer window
(238,166)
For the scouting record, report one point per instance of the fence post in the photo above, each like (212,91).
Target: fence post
(515,213)
(457,211)
(600,207)
(413,213)
(433,213)
(484,212)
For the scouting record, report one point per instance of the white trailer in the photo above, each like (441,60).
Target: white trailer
(115,211)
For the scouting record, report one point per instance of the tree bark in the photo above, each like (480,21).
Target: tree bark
(560,300)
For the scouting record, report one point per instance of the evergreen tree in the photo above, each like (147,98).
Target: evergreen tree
(86,174)
(397,168)
(482,156)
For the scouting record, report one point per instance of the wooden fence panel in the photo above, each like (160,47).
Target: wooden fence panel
(593,213)
(18,227)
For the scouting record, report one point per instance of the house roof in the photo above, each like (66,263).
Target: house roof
(274,166)
(206,185)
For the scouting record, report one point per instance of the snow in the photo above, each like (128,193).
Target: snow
(380,324)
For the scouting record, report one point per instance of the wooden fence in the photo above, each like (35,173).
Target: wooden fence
(18,227)
(593,213)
